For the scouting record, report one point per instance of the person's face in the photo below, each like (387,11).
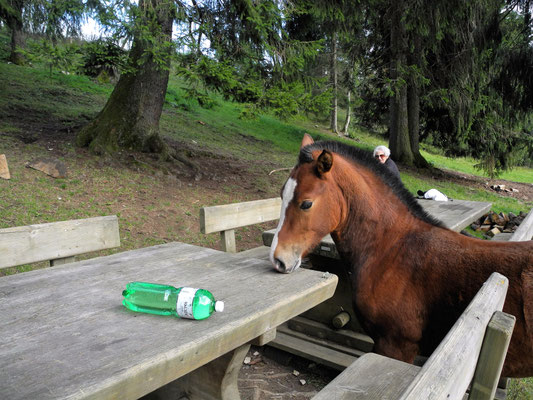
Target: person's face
(381,157)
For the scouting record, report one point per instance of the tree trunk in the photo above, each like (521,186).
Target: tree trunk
(130,119)
(348,113)
(413,105)
(333,82)
(399,141)
(13,18)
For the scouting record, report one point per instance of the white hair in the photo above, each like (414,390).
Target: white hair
(384,149)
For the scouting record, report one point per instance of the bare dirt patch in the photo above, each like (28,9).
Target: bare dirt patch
(271,374)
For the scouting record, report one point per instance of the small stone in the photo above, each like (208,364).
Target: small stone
(302,382)
(256,354)
(54,168)
(247,360)
(295,373)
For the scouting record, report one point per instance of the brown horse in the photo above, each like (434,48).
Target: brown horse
(411,277)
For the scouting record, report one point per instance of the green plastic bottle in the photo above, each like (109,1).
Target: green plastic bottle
(183,302)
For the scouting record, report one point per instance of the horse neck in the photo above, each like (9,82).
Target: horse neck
(372,212)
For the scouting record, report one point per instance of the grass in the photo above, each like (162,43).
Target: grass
(520,389)
(466,165)
(64,96)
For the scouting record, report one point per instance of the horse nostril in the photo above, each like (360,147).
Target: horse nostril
(280,265)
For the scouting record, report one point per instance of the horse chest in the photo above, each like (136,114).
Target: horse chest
(387,304)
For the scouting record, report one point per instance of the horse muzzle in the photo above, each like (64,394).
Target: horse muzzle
(286,266)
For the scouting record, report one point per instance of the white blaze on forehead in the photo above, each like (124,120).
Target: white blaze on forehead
(288,194)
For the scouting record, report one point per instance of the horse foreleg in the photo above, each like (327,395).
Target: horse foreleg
(400,349)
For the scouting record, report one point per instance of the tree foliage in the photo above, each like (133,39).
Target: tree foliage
(454,74)
(53,19)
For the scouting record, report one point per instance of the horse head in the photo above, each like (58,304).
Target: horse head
(311,209)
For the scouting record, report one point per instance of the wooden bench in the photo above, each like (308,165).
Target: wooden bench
(473,351)
(228,217)
(57,242)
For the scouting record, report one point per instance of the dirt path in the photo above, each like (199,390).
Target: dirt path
(271,374)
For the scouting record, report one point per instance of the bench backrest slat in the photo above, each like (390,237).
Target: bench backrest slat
(525,229)
(42,242)
(449,370)
(231,216)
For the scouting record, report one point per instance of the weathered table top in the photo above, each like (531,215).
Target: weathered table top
(65,333)
(455,215)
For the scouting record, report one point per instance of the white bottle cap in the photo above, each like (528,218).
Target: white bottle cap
(219,306)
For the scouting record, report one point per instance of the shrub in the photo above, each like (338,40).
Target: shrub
(103,59)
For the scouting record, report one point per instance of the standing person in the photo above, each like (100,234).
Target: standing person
(382,154)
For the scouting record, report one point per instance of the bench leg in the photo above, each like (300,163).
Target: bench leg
(61,261)
(227,238)
(216,380)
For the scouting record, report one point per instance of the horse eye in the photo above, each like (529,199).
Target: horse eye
(306,204)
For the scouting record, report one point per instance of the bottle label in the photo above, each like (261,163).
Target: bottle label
(184,302)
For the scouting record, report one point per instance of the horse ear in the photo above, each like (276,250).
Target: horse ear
(307,140)
(324,162)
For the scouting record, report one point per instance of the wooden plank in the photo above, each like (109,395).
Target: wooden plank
(449,370)
(312,351)
(265,338)
(502,237)
(492,356)
(525,229)
(346,337)
(227,238)
(261,252)
(4,169)
(231,216)
(455,214)
(285,329)
(61,261)
(371,377)
(42,242)
(217,380)
(65,333)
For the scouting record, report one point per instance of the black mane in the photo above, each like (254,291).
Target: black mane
(365,159)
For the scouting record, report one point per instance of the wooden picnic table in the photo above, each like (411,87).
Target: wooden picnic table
(66,335)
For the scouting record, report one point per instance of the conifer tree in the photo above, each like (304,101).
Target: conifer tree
(130,119)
